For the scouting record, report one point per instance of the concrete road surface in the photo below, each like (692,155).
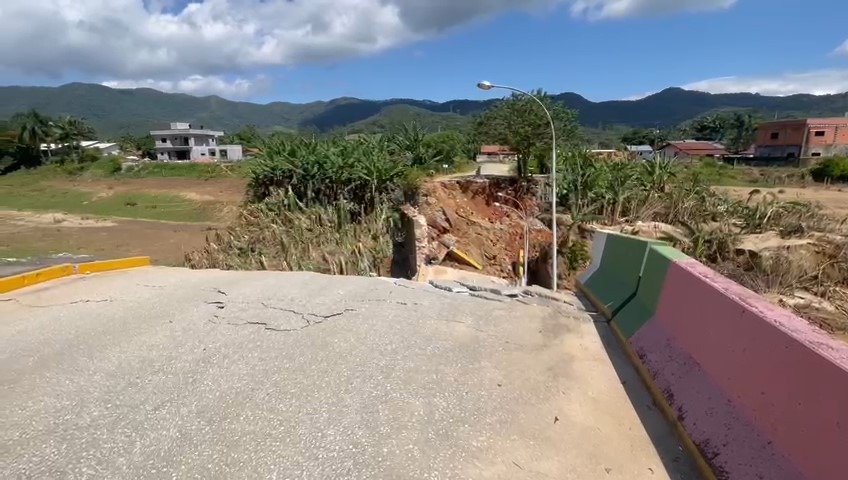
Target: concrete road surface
(497,169)
(171,373)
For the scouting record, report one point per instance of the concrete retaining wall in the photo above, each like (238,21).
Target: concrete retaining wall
(759,391)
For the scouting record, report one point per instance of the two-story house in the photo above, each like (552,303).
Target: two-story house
(804,138)
(183,143)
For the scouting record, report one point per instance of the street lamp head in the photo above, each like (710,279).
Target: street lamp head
(485,86)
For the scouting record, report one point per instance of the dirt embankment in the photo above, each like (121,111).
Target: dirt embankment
(464,213)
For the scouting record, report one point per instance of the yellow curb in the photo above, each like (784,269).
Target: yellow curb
(659,399)
(29,279)
(111,265)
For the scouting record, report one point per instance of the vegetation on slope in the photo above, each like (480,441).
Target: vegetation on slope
(710,226)
(114,112)
(326,205)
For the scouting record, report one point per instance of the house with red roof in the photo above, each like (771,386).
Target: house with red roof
(496,153)
(691,150)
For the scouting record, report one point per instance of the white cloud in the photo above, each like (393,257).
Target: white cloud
(819,82)
(601,9)
(168,40)
(201,85)
(842,49)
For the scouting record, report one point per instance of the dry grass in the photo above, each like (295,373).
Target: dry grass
(823,274)
(277,235)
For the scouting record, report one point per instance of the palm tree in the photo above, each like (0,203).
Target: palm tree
(34,130)
(72,131)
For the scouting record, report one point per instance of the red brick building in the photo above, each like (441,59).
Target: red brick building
(813,137)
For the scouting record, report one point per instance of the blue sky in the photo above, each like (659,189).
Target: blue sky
(436,49)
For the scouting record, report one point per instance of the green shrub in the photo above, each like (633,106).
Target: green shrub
(833,169)
(577,256)
(106,166)
(361,172)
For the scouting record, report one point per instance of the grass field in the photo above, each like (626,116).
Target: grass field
(161,207)
(160,211)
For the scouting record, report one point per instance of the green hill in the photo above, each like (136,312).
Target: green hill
(395,115)
(113,111)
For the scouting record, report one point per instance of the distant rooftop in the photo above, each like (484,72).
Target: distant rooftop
(184,127)
(692,147)
(825,120)
(640,148)
(496,150)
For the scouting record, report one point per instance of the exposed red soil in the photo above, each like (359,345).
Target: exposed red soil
(464,211)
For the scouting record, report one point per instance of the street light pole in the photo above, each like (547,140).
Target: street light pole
(488,86)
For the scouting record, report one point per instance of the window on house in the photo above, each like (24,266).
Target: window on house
(164,140)
(211,152)
(819,133)
(816,154)
(775,135)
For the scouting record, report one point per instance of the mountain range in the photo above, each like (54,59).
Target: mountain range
(116,111)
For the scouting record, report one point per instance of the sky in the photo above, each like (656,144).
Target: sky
(306,50)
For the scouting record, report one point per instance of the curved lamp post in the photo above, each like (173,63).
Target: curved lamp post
(489,86)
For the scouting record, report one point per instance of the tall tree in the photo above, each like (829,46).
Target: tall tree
(740,130)
(519,122)
(143,146)
(34,129)
(447,146)
(709,128)
(71,131)
(645,136)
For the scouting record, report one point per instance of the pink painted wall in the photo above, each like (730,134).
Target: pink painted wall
(760,387)
(708,412)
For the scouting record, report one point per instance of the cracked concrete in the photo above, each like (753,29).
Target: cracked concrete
(274,324)
(53,305)
(379,379)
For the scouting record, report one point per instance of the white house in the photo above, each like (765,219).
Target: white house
(644,152)
(183,143)
(106,148)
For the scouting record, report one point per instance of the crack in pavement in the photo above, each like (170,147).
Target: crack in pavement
(64,304)
(309,319)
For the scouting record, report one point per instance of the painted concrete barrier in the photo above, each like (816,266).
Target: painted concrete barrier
(758,391)
(644,303)
(613,276)
(111,265)
(35,277)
